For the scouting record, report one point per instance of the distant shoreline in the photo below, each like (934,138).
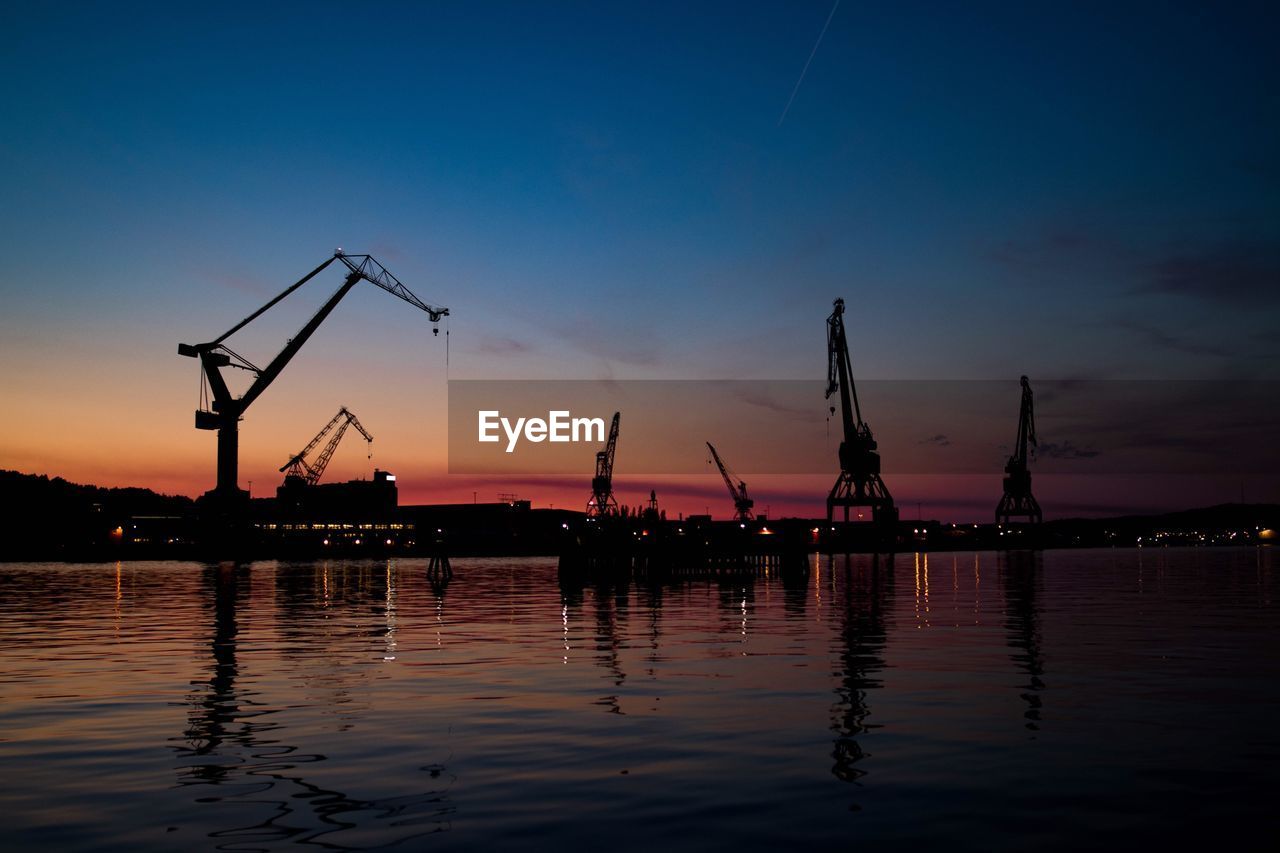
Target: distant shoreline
(53,520)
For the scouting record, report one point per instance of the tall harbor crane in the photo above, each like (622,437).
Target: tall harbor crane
(737,489)
(1017,499)
(224,411)
(602,502)
(298,469)
(859,483)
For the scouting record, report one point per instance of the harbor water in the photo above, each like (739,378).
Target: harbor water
(973,701)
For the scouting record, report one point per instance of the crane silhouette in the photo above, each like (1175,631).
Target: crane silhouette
(1017,499)
(224,412)
(737,489)
(859,483)
(602,502)
(298,468)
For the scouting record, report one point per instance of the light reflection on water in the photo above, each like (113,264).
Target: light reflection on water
(978,700)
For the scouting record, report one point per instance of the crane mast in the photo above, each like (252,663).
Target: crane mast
(602,502)
(859,483)
(737,490)
(226,410)
(1017,500)
(299,469)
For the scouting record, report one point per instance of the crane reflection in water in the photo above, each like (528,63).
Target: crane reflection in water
(863,602)
(238,743)
(1022,575)
(612,614)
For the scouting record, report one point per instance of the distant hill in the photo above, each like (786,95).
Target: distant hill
(51,518)
(1218,517)
(1177,527)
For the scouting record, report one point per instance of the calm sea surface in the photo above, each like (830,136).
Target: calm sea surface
(974,701)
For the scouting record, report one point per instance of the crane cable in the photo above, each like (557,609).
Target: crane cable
(203,395)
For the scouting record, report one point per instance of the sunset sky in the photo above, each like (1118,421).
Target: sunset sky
(626,191)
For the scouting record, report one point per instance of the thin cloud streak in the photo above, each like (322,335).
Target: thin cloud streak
(1159,337)
(807,62)
(1241,274)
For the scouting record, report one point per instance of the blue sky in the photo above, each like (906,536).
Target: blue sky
(605,189)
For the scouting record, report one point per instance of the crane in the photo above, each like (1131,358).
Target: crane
(859,483)
(224,411)
(737,491)
(602,502)
(299,470)
(1017,499)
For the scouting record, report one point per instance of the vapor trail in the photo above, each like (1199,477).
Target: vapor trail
(805,70)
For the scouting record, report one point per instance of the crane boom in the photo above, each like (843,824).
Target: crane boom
(371,271)
(602,501)
(840,372)
(737,490)
(1026,426)
(226,410)
(297,466)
